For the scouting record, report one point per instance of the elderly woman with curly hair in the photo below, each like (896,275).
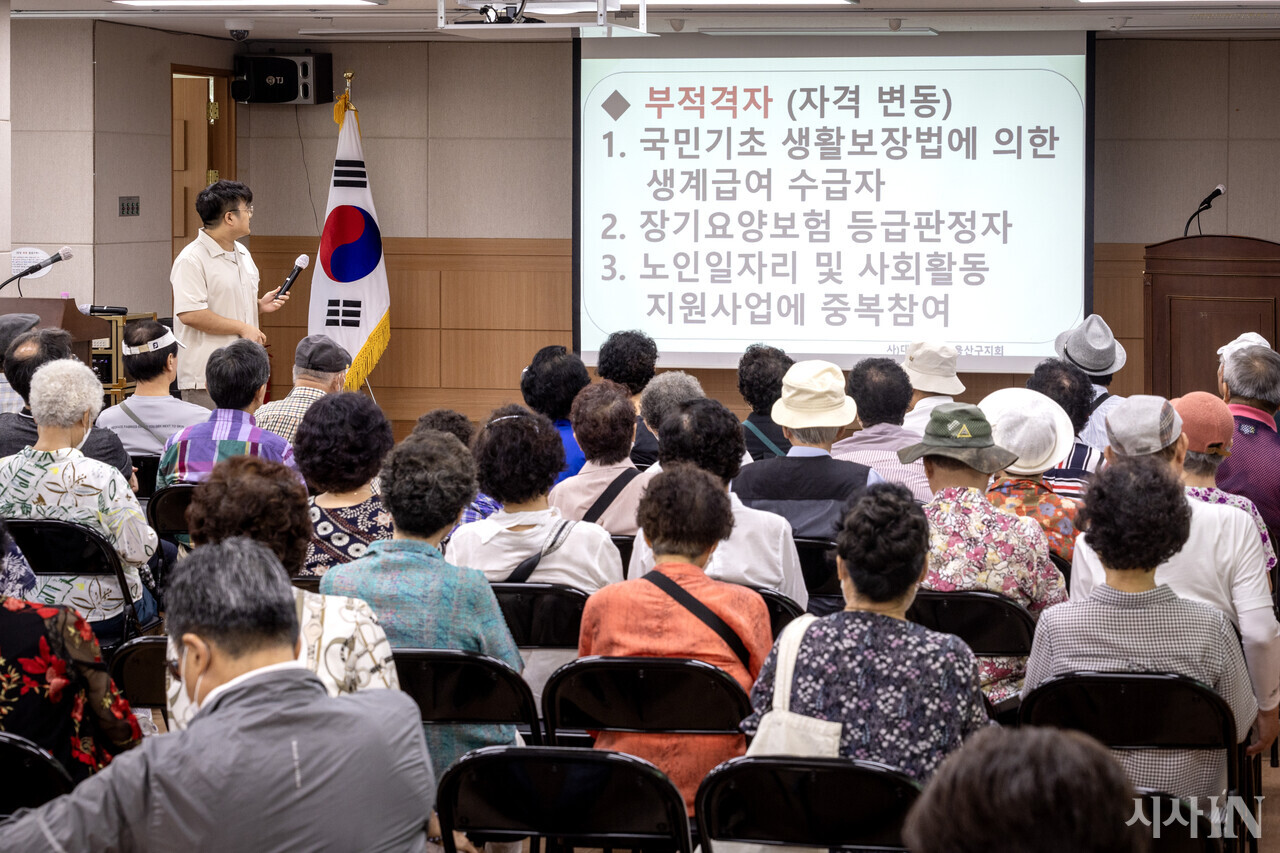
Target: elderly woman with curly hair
(549,384)
(628,358)
(341,639)
(685,514)
(426,601)
(760,372)
(339,447)
(904,695)
(517,456)
(1136,516)
(53,479)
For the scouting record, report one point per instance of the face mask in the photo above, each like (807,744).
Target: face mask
(195,692)
(84,437)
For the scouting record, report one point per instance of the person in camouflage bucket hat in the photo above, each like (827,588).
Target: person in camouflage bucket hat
(960,431)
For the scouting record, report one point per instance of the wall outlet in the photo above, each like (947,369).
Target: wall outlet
(129,205)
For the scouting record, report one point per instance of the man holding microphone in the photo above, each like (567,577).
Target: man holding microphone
(215,286)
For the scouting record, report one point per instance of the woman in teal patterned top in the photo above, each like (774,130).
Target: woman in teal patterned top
(422,600)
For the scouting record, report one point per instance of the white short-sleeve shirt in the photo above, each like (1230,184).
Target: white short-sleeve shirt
(204,276)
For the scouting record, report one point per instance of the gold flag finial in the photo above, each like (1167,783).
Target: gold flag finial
(348,75)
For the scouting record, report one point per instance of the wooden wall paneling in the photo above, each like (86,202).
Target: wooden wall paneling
(485,299)
(415,297)
(411,361)
(474,358)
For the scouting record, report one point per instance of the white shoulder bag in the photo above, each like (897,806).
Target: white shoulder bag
(782,731)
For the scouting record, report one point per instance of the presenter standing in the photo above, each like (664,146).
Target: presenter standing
(215,286)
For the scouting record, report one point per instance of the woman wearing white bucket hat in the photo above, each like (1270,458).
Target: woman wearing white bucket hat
(1039,431)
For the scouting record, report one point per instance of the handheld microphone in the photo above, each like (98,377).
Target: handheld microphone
(116,310)
(300,263)
(1217,191)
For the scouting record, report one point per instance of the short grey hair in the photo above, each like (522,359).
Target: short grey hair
(313,375)
(62,391)
(665,393)
(815,435)
(233,594)
(1254,373)
(1202,464)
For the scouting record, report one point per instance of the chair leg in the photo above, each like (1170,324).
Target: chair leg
(1275,753)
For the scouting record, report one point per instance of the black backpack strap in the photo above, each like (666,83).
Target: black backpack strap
(526,566)
(764,439)
(610,494)
(1098,402)
(705,614)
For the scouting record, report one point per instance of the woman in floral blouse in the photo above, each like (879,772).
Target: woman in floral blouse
(339,449)
(905,696)
(55,690)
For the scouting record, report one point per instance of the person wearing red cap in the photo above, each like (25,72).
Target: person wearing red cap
(1208,425)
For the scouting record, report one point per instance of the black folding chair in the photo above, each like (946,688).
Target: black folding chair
(1138,710)
(1064,566)
(167,511)
(818,564)
(29,776)
(147,467)
(452,686)
(782,609)
(810,802)
(137,668)
(625,545)
(1193,836)
(311,583)
(583,797)
(634,694)
(990,624)
(541,615)
(55,547)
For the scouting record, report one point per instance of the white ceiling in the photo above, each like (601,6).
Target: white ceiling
(416,19)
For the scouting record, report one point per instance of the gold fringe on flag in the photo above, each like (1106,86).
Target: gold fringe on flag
(340,108)
(365,360)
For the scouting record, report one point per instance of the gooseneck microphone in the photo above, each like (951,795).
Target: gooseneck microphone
(63,254)
(1204,205)
(300,263)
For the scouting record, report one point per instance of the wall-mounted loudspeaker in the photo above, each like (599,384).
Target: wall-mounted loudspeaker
(272,79)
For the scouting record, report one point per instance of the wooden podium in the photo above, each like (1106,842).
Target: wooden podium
(1198,294)
(62,314)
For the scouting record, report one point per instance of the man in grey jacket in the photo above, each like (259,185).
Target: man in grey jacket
(270,762)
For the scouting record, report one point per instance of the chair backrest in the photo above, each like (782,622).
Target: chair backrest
(587,797)
(311,583)
(1064,566)
(821,802)
(542,615)
(55,547)
(147,467)
(1136,710)
(781,609)
(989,623)
(818,564)
(452,686)
(29,776)
(1194,836)
(137,668)
(625,545)
(167,510)
(634,694)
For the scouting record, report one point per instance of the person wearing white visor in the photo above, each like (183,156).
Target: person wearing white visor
(1039,431)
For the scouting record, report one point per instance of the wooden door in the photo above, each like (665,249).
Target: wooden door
(204,143)
(190,155)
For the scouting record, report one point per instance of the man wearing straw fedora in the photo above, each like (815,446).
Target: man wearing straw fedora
(1094,349)
(807,486)
(973,545)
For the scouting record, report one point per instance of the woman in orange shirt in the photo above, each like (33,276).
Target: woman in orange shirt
(684,514)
